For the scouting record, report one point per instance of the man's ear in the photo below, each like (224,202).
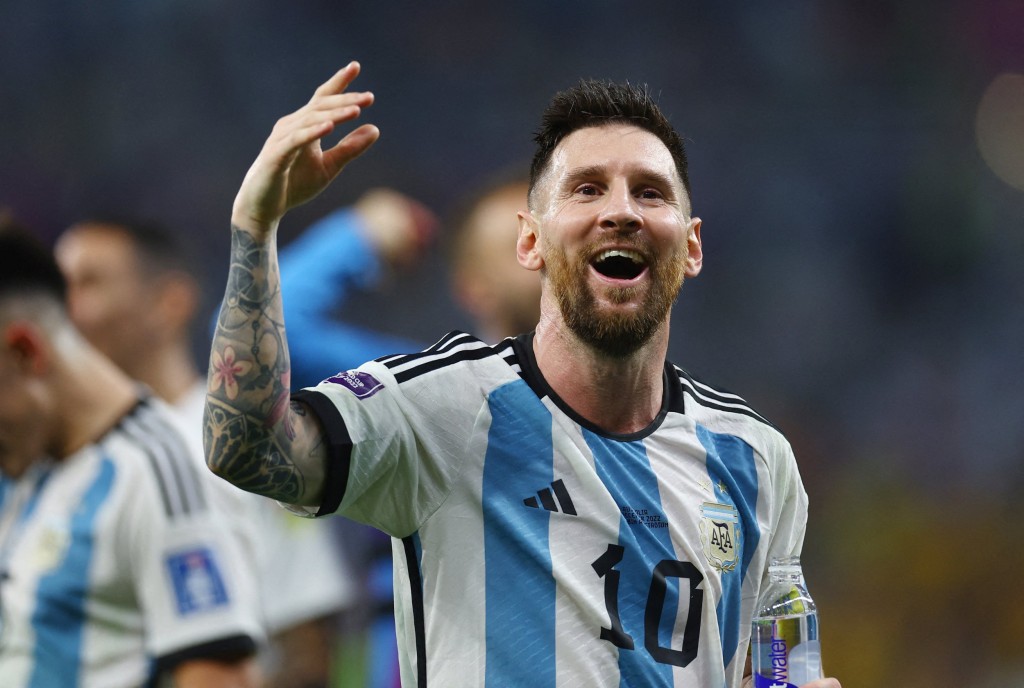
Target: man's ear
(694,252)
(528,244)
(28,346)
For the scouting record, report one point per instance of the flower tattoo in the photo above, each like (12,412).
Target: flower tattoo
(226,370)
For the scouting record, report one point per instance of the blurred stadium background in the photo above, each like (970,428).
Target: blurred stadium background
(859,166)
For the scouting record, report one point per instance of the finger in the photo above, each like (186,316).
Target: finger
(337,100)
(350,147)
(340,81)
(306,135)
(284,131)
(281,150)
(340,108)
(337,115)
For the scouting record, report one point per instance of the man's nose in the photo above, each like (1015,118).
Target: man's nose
(620,210)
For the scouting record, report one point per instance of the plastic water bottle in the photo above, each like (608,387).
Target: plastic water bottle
(785,648)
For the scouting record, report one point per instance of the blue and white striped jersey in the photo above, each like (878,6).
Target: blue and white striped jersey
(534,549)
(115,566)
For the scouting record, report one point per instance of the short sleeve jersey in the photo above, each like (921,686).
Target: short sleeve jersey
(533,548)
(115,565)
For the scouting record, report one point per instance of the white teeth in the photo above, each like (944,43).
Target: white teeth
(631,255)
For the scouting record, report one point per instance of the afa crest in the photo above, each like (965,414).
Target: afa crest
(719,535)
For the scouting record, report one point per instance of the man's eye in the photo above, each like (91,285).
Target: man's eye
(650,194)
(587,190)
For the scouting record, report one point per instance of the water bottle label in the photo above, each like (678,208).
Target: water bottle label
(765,682)
(785,652)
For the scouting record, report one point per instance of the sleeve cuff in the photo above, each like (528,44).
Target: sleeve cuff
(339,448)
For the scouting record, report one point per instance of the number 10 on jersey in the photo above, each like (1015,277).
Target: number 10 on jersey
(604,567)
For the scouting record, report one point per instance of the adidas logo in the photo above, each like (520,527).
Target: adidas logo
(547,500)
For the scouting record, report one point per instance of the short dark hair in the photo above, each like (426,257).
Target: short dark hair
(157,247)
(593,103)
(27,266)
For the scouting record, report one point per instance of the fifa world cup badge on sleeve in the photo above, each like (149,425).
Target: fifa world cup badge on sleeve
(361,384)
(719,535)
(198,584)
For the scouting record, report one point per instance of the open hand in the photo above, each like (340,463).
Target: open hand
(292,169)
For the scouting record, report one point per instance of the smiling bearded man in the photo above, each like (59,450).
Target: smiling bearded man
(616,334)
(549,496)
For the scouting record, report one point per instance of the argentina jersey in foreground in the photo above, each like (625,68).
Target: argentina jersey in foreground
(114,566)
(534,549)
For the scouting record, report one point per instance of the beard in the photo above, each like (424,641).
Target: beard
(617,334)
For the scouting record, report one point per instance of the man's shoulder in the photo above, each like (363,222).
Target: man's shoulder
(455,354)
(710,404)
(148,424)
(152,440)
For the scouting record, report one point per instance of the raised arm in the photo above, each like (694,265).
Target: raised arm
(254,436)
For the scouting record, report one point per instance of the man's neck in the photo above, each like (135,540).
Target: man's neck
(94,394)
(619,395)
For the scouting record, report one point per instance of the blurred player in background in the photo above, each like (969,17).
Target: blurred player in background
(532,485)
(487,280)
(116,570)
(133,294)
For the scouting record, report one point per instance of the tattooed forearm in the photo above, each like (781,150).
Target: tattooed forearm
(247,430)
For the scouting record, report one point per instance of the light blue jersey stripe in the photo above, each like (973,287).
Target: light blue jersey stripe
(382,654)
(59,617)
(626,472)
(520,637)
(730,463)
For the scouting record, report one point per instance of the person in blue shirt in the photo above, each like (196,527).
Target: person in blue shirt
(349,250)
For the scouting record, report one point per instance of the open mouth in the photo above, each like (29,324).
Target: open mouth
(619,264)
